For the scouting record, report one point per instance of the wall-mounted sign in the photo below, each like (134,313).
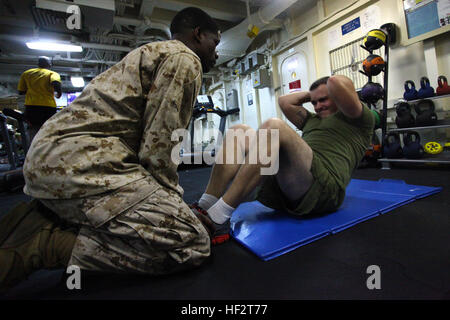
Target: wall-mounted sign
(250,99)
(295,85)
(351,25)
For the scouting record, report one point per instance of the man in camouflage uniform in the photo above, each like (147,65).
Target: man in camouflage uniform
(103,166)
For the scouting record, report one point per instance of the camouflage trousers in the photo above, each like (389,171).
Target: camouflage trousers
(141,227)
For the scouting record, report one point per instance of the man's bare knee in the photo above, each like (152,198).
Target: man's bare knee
(241,126)
(273,123)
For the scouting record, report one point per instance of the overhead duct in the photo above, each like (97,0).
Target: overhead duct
(234,42)
(143,24)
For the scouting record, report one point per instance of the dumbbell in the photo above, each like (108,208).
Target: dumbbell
(433,147)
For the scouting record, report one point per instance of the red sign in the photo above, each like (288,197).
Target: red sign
(295,85)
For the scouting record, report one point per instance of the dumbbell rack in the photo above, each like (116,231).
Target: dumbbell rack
(442,158)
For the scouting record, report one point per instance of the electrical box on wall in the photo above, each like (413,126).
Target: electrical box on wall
(255,60)
(247,66)
(232,99)
(243,68)
(261,79)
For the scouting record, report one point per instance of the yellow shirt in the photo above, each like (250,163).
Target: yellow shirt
(37,83)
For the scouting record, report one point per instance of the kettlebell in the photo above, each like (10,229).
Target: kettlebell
(443,87)
(411,145)
(425,113)
(391,146)
(373,65)
(425,91)
(404,118)
(374,40)
(372,92)
(410,92)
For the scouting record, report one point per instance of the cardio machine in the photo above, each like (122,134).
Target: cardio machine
(12,178)
(204,104)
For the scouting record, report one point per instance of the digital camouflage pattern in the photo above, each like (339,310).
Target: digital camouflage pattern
(104,164)
(122,233)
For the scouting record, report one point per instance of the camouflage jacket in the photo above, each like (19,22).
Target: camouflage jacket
(119,129)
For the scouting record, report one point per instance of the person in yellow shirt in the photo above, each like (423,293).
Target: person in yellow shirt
(39,85)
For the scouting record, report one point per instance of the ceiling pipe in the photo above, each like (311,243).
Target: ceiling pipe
(236,37)
(143,24)
(25,57)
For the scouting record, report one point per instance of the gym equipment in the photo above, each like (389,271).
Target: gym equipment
(392,146)
(404,118)
(443,87)
(9,143)
(411,145)
(375,39)
(410,92)
(426,90)
(270,233)
(373,65)
(433,147)
(372,92)
(12,179)
(21,120)
(425,113)
(204,104)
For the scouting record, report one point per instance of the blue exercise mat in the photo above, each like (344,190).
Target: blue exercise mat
(270,233)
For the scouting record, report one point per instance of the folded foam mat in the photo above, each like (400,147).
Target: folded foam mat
(270,233)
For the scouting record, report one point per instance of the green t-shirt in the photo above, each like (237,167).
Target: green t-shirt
(339,142)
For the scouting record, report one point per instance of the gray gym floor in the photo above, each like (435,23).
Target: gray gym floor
(410,245)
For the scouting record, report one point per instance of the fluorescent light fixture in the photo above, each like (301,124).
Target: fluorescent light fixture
(53,46)
(77,81)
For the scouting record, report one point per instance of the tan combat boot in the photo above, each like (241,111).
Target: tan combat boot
(30,241)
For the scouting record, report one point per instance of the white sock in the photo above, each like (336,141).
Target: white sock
(220,212)
(207,201)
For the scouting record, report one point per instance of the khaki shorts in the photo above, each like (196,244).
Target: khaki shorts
(324,195)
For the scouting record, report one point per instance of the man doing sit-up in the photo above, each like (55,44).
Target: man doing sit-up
(314,169)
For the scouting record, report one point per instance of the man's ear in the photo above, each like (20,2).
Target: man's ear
(197,33)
